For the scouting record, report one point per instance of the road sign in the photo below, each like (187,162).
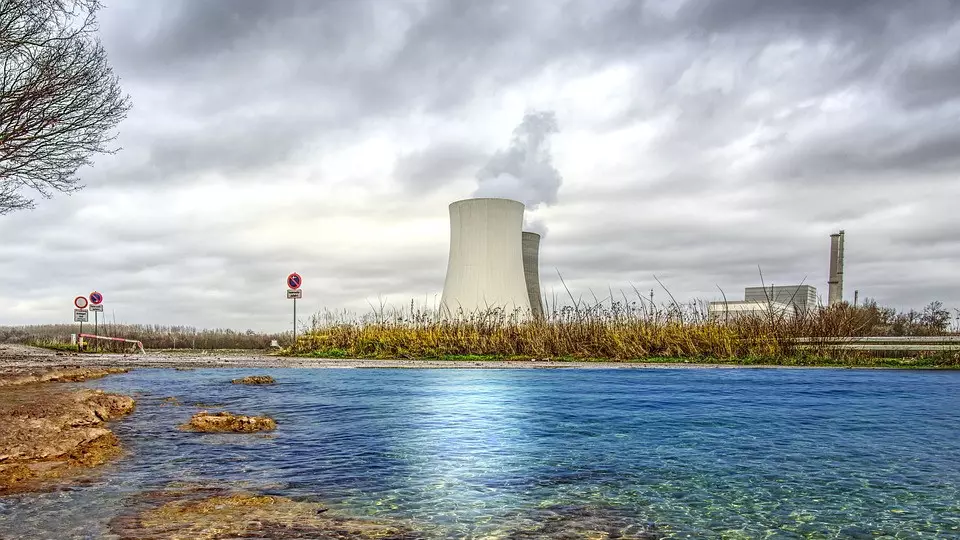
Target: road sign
(81,315)
(294,281)
(80,302)
(294,293)
(96,298)
(96,307)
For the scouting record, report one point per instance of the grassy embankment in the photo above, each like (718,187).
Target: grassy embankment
(620,334)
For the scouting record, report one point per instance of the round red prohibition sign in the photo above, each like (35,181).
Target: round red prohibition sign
(96,298)
(294,281)
(80,302)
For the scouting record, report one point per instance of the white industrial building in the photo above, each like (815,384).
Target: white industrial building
(492,262)
(738,308)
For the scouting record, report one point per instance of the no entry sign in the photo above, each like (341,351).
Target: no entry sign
(294,281)
(96,298)
(80,302)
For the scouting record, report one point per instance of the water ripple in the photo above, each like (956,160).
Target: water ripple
(553,453)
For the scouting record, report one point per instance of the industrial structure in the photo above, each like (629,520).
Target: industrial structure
(485,269)
(531,272)
(803,298)
(783,300)
(835,282)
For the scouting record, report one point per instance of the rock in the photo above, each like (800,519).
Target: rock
(58,375)
(224,422)
(170,401)
(255,379)
(46,433)
(212,513)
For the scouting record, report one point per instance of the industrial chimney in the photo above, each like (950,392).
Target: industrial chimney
(531,272)
(485,268)
(835,294)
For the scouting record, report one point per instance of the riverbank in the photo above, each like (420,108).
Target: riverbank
(48,432)
(23,357)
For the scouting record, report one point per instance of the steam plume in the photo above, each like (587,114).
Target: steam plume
(524,171)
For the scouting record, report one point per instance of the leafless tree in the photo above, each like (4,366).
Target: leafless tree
(59,98)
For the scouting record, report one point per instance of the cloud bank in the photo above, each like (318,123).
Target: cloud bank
(700,139)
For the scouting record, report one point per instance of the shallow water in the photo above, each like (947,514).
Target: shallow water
(684,453)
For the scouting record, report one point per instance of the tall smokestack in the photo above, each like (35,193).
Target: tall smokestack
(485,268)
(835,295)
(531,272)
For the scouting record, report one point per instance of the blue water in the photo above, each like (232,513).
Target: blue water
(660,453)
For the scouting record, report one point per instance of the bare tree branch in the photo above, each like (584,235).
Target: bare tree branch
(59,97)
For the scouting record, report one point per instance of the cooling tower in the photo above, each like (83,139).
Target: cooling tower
(835,291)
(485,268)
(531,272)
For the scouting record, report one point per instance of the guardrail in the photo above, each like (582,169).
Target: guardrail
(886,343)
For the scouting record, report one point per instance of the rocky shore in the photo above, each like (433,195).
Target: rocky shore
(47,432)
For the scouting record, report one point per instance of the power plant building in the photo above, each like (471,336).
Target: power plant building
(782,300)
(485,269)
(802,297)
(531,272)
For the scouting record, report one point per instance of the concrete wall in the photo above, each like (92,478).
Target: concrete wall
(485,267)
(531,271)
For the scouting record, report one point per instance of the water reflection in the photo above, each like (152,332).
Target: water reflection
(533,454)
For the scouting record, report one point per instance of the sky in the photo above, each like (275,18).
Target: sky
(694,141)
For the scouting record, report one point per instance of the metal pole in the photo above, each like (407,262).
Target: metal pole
(96,322)
(80,336)
(294,321)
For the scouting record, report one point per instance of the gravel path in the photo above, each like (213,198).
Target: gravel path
(13,357)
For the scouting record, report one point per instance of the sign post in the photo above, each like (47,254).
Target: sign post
(294,281)
(80,315)
(96,301)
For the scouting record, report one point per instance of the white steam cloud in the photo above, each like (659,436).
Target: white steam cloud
(524,171)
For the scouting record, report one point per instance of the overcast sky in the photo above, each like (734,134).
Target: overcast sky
(697,140)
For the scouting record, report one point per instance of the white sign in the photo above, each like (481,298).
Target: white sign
(96,307)
(80,315)
(294,293)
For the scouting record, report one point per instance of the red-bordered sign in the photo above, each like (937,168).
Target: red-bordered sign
(80,302)
(96,298)
(294,281)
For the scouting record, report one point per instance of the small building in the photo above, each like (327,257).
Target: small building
(730,310)
(802,297)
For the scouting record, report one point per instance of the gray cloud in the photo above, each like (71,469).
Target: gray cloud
(435,166)
(700,140)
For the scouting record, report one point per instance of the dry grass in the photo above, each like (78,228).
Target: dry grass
(618,331)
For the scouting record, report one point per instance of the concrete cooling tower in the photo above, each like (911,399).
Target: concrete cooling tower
(531,272)
(485,268)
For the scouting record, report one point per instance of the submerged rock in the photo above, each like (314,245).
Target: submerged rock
(224,422)
(46,433)
(255,379)
(215,513)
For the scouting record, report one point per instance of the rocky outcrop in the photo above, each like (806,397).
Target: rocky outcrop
(46,432)
(212,513)
(19,378)
(255,379)
(224,422)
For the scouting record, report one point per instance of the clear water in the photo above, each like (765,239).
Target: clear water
(538,453)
